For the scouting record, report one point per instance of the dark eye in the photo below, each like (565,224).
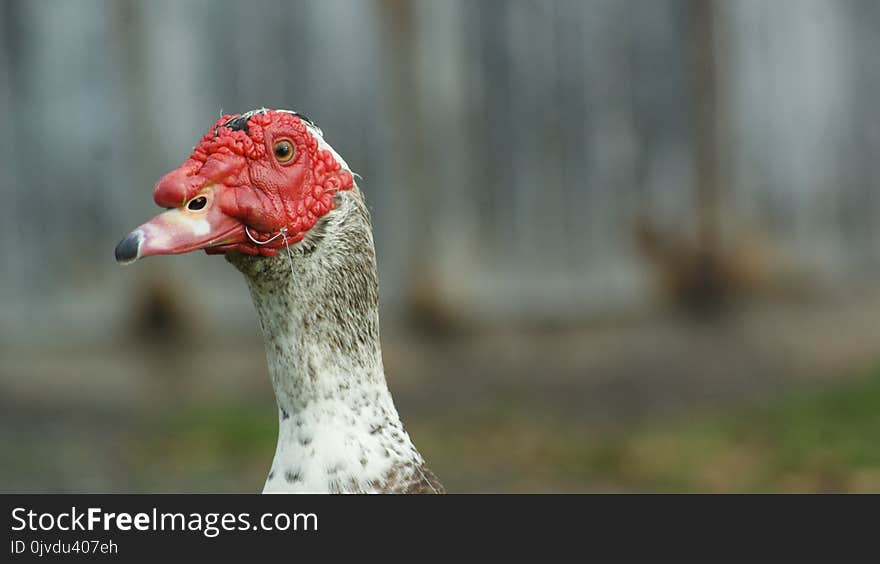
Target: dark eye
(197,203)
(283,150)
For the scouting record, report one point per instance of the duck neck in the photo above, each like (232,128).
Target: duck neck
(318,310)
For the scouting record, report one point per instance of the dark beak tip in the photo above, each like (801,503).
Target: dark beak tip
(127,250)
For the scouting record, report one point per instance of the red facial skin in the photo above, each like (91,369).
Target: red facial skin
(247,186)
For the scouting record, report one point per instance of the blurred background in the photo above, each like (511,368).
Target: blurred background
(623,245)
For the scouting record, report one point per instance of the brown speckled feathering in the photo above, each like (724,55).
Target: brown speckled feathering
(266,190)
(318,308)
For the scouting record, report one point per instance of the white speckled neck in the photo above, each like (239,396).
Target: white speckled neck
(338,428)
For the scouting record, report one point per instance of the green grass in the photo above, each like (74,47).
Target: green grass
(819,440)
(214,448)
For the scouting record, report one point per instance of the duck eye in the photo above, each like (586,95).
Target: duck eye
(197,203)
(283,151)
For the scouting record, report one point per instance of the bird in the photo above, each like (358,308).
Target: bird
(267,191)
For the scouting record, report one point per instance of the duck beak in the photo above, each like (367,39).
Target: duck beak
(178,231)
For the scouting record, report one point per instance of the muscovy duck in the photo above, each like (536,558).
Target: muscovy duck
(265,189)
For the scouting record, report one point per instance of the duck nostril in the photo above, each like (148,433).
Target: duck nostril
(197,203)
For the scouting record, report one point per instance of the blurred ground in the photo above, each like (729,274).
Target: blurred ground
(779,397)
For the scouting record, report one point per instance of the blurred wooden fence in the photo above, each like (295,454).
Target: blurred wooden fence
(509,148)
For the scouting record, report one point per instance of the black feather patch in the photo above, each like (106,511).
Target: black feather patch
(305,118)
(240,123)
